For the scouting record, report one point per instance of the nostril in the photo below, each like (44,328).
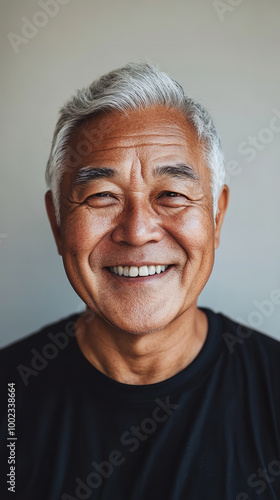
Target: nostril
(137,232)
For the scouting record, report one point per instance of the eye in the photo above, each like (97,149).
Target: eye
(171,194)
(101,195)
(173,199)
(100,199)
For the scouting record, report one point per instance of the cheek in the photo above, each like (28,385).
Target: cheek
(194,231)
(81,234)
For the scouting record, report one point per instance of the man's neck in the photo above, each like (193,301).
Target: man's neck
(141,359)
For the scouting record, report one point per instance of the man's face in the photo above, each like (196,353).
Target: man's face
(149,206)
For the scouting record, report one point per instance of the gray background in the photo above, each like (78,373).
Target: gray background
(229,61)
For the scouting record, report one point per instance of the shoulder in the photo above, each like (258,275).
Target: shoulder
(251,353)
(241,344)
(237,334)
(45,343)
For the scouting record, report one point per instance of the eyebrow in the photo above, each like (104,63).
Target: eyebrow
(88,174)
(180,170)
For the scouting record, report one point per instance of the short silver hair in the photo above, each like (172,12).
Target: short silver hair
(134,86)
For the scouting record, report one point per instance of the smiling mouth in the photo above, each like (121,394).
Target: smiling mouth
(134,271)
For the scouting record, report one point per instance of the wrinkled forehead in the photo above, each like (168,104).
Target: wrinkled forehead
(155,133)
(152,125)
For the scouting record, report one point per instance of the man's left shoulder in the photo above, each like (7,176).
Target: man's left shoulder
(245,342)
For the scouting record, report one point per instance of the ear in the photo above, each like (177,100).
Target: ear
(222,206)
(53,222)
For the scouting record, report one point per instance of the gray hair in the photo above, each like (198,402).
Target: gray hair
(136,85)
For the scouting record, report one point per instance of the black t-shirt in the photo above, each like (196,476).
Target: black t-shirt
(211,432)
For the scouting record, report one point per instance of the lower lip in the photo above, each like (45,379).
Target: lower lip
(139,280)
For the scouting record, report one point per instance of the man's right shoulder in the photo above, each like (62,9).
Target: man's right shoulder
(53,336)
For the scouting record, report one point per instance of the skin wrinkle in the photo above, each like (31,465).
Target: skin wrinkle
(130,147)
(86,174)
(139,223)
(80,189)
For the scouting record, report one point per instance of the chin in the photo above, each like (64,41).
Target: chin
(135,327)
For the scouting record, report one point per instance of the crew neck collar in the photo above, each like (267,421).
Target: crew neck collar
(185,379)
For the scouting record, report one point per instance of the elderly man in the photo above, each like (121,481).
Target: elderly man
(144,395)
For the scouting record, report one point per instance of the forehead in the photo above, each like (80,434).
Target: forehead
(153,135)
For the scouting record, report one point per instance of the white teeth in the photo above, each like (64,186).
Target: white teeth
(134,271)
(120,270)
(143,271)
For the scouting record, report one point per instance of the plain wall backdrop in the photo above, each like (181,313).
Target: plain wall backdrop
(225,54)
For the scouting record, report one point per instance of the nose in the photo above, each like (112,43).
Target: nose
(138,225)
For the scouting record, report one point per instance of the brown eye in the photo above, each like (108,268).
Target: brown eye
(100,199)
(172,199)
(102,195)
(173,194)
(99,195)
